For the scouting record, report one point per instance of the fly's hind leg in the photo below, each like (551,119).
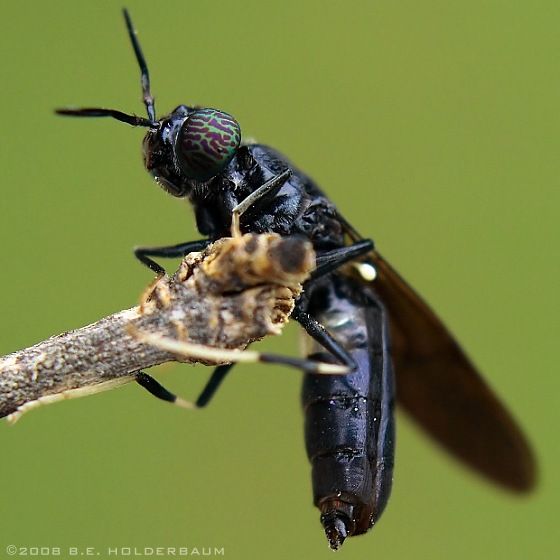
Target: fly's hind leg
(307,366)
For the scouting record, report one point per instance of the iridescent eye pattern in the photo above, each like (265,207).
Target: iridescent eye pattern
(207,141)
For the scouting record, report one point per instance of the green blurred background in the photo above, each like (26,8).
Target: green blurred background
(433,125)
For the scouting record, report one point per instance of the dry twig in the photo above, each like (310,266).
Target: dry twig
(235,292)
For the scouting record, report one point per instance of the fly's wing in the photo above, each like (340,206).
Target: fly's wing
(440,388)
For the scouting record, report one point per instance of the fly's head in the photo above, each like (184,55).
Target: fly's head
(190,147)
(185,150)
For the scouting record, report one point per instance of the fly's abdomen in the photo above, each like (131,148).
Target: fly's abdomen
(349,425)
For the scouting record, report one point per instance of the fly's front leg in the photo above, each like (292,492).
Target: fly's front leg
(143,254)
(262,195)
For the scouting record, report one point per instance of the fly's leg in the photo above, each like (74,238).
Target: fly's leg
(329,261)
(143,254)
(213,384)
(262,195)
(318,333)
(307,366)
(159,391)
(208,353)
(326,263)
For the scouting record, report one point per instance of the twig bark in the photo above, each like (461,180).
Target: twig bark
(235,292)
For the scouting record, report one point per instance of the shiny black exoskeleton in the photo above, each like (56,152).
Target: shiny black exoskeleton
(196,153)
(349,420)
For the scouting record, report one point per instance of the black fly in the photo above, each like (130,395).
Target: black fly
(350,313)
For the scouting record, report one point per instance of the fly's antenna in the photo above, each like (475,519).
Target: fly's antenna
(144,74)
(132,120)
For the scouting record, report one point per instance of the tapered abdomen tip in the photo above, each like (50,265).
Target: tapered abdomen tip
(335,529)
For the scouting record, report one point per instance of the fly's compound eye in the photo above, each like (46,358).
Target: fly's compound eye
(207,141)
